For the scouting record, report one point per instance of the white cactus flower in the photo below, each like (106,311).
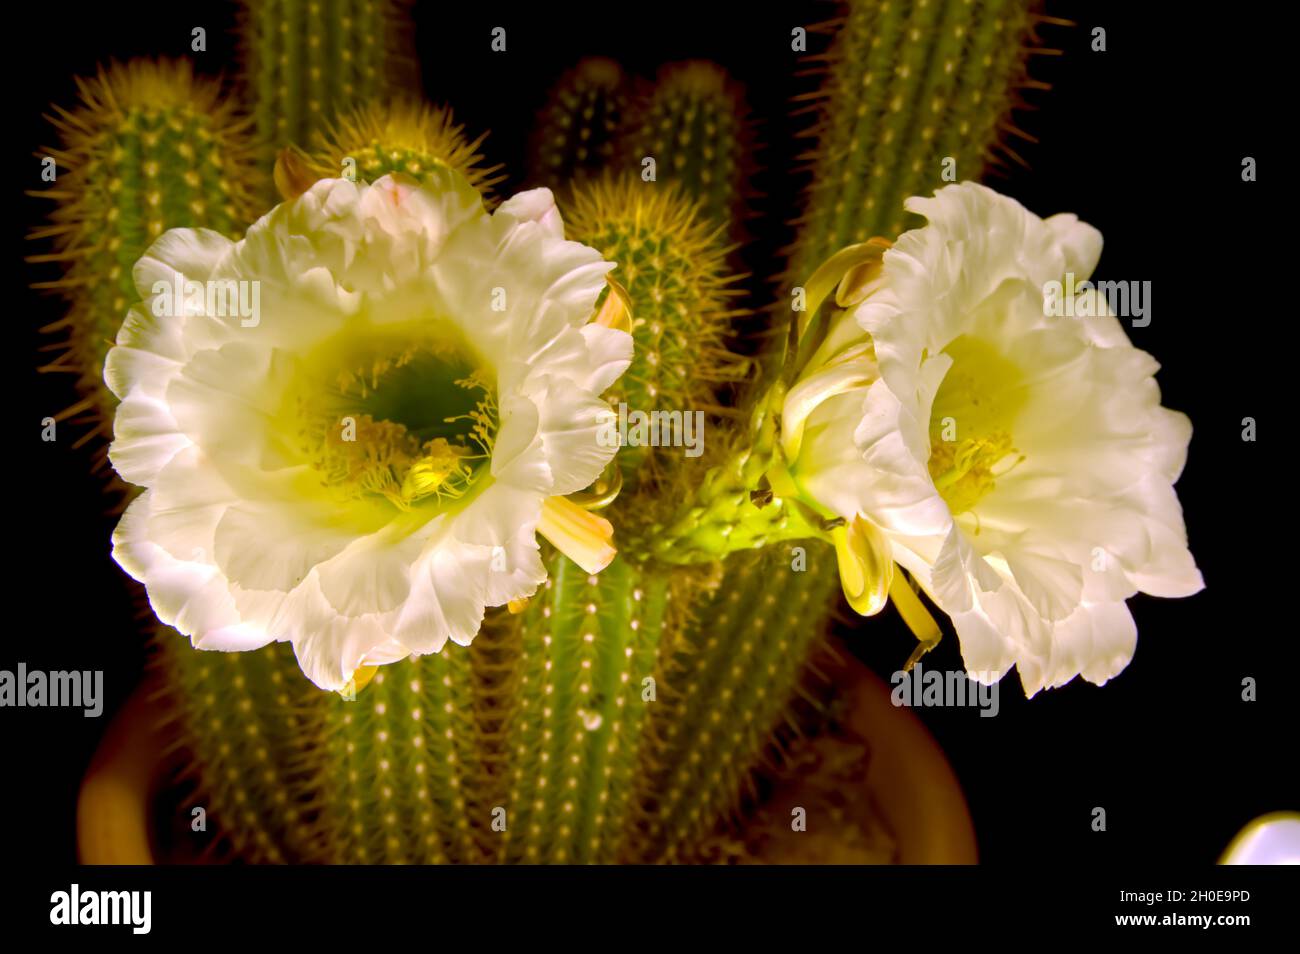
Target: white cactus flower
(359,464)
(1018,465)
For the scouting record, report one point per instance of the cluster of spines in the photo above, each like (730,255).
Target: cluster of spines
(913,94)
(308,61)
(149,147)
(399,136)
(578,128)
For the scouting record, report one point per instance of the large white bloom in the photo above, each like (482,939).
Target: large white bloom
(1020,466)
(360,467)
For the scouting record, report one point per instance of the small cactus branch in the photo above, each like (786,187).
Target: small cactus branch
(672,262)
(575,135)
(398,136)
(149,147)
(691,122)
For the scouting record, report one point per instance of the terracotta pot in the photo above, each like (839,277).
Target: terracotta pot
(914,788)
(114,808)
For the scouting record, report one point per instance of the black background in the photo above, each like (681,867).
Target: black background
(1144,141)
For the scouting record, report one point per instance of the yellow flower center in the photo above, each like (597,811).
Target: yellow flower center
(971,423)
(409,416)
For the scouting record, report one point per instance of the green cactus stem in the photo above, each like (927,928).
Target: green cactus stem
(149,147)
(724,691)
(691,122)
(307,63)
(672,262)
(576,132)
(914,94)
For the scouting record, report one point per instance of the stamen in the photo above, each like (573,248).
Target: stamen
(971,420)
(358,454)
(963,471)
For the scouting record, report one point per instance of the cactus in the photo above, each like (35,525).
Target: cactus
(576,132)
(589,645)
(149,147)
(616,717)
(305,64)
(591,724)
(906,87)
(251,728)
(407,774)
(402,136)
(725,686)
(691,121)
(672,261)
(297,775)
